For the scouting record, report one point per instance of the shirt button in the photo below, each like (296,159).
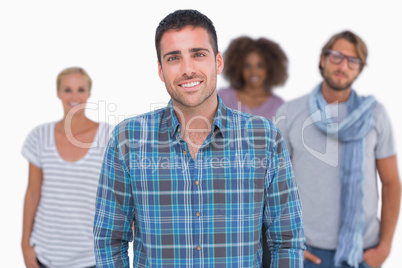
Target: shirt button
(178,130)
(198,214)
(185,152)
(198,248)
(197,183)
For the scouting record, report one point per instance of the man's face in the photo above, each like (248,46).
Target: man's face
(340,76)
(188,66)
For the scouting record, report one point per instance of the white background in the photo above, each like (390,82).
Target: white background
(114,42)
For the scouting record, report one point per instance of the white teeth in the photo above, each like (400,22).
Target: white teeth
(192,84)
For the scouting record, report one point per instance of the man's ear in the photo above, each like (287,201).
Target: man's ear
(160,72)
(219,63)
(322,61)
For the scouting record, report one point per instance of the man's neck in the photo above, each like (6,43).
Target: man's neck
(196,123)
(200,117)
(332,95)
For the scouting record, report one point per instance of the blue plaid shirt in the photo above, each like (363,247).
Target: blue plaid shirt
(206,212)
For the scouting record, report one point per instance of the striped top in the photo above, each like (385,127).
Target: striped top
(203,213)
(62,231)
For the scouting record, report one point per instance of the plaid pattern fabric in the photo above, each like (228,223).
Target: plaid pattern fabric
(202,213)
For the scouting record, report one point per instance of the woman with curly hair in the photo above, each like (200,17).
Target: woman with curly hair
(253,68)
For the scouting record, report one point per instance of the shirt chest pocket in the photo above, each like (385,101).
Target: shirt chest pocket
(239,198)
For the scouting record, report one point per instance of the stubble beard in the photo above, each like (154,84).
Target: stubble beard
(205,94)
(335,85)
(184,103)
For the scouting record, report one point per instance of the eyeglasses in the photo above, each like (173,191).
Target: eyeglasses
(337,57)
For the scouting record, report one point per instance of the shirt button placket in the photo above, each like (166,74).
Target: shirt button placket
(196,190)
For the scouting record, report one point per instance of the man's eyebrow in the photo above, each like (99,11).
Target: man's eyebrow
(178,52)
(175,52)
(197,49)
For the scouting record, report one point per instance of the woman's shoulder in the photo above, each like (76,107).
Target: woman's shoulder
(228,96)
(277,99)
(40,137)
(226,91)
(39,130)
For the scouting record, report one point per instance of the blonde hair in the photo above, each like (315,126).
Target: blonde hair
(73,70)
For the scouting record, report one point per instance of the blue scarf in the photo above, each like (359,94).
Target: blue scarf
(351,131)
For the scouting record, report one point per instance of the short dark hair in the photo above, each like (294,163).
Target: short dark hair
(271,53)
(361,48)
(182,18)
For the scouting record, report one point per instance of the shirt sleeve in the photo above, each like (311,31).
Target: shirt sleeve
(31,147)
(385,146)
(282,210)
(114,208)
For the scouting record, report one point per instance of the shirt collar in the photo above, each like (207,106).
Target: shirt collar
(220,119)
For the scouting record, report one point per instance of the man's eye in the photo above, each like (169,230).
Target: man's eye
(338,57)
(199,55)
(354,60)
(81,89)
(67,90)
(172,58)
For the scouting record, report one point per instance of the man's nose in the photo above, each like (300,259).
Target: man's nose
(344,64)
(187,67)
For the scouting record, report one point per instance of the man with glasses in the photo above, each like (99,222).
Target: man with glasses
(338,141)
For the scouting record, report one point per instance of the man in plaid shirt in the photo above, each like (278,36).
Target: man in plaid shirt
(197,179)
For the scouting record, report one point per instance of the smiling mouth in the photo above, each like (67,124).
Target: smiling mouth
(192,84)
(254,79)
(73,104)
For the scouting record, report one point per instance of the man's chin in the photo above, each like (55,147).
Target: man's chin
(338,86)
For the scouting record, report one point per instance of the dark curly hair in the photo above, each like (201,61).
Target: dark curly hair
(182,18)
(274,58)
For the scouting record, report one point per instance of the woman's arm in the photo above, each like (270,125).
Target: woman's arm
(31,202)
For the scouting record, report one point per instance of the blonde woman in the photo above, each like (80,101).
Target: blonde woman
(65,159)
